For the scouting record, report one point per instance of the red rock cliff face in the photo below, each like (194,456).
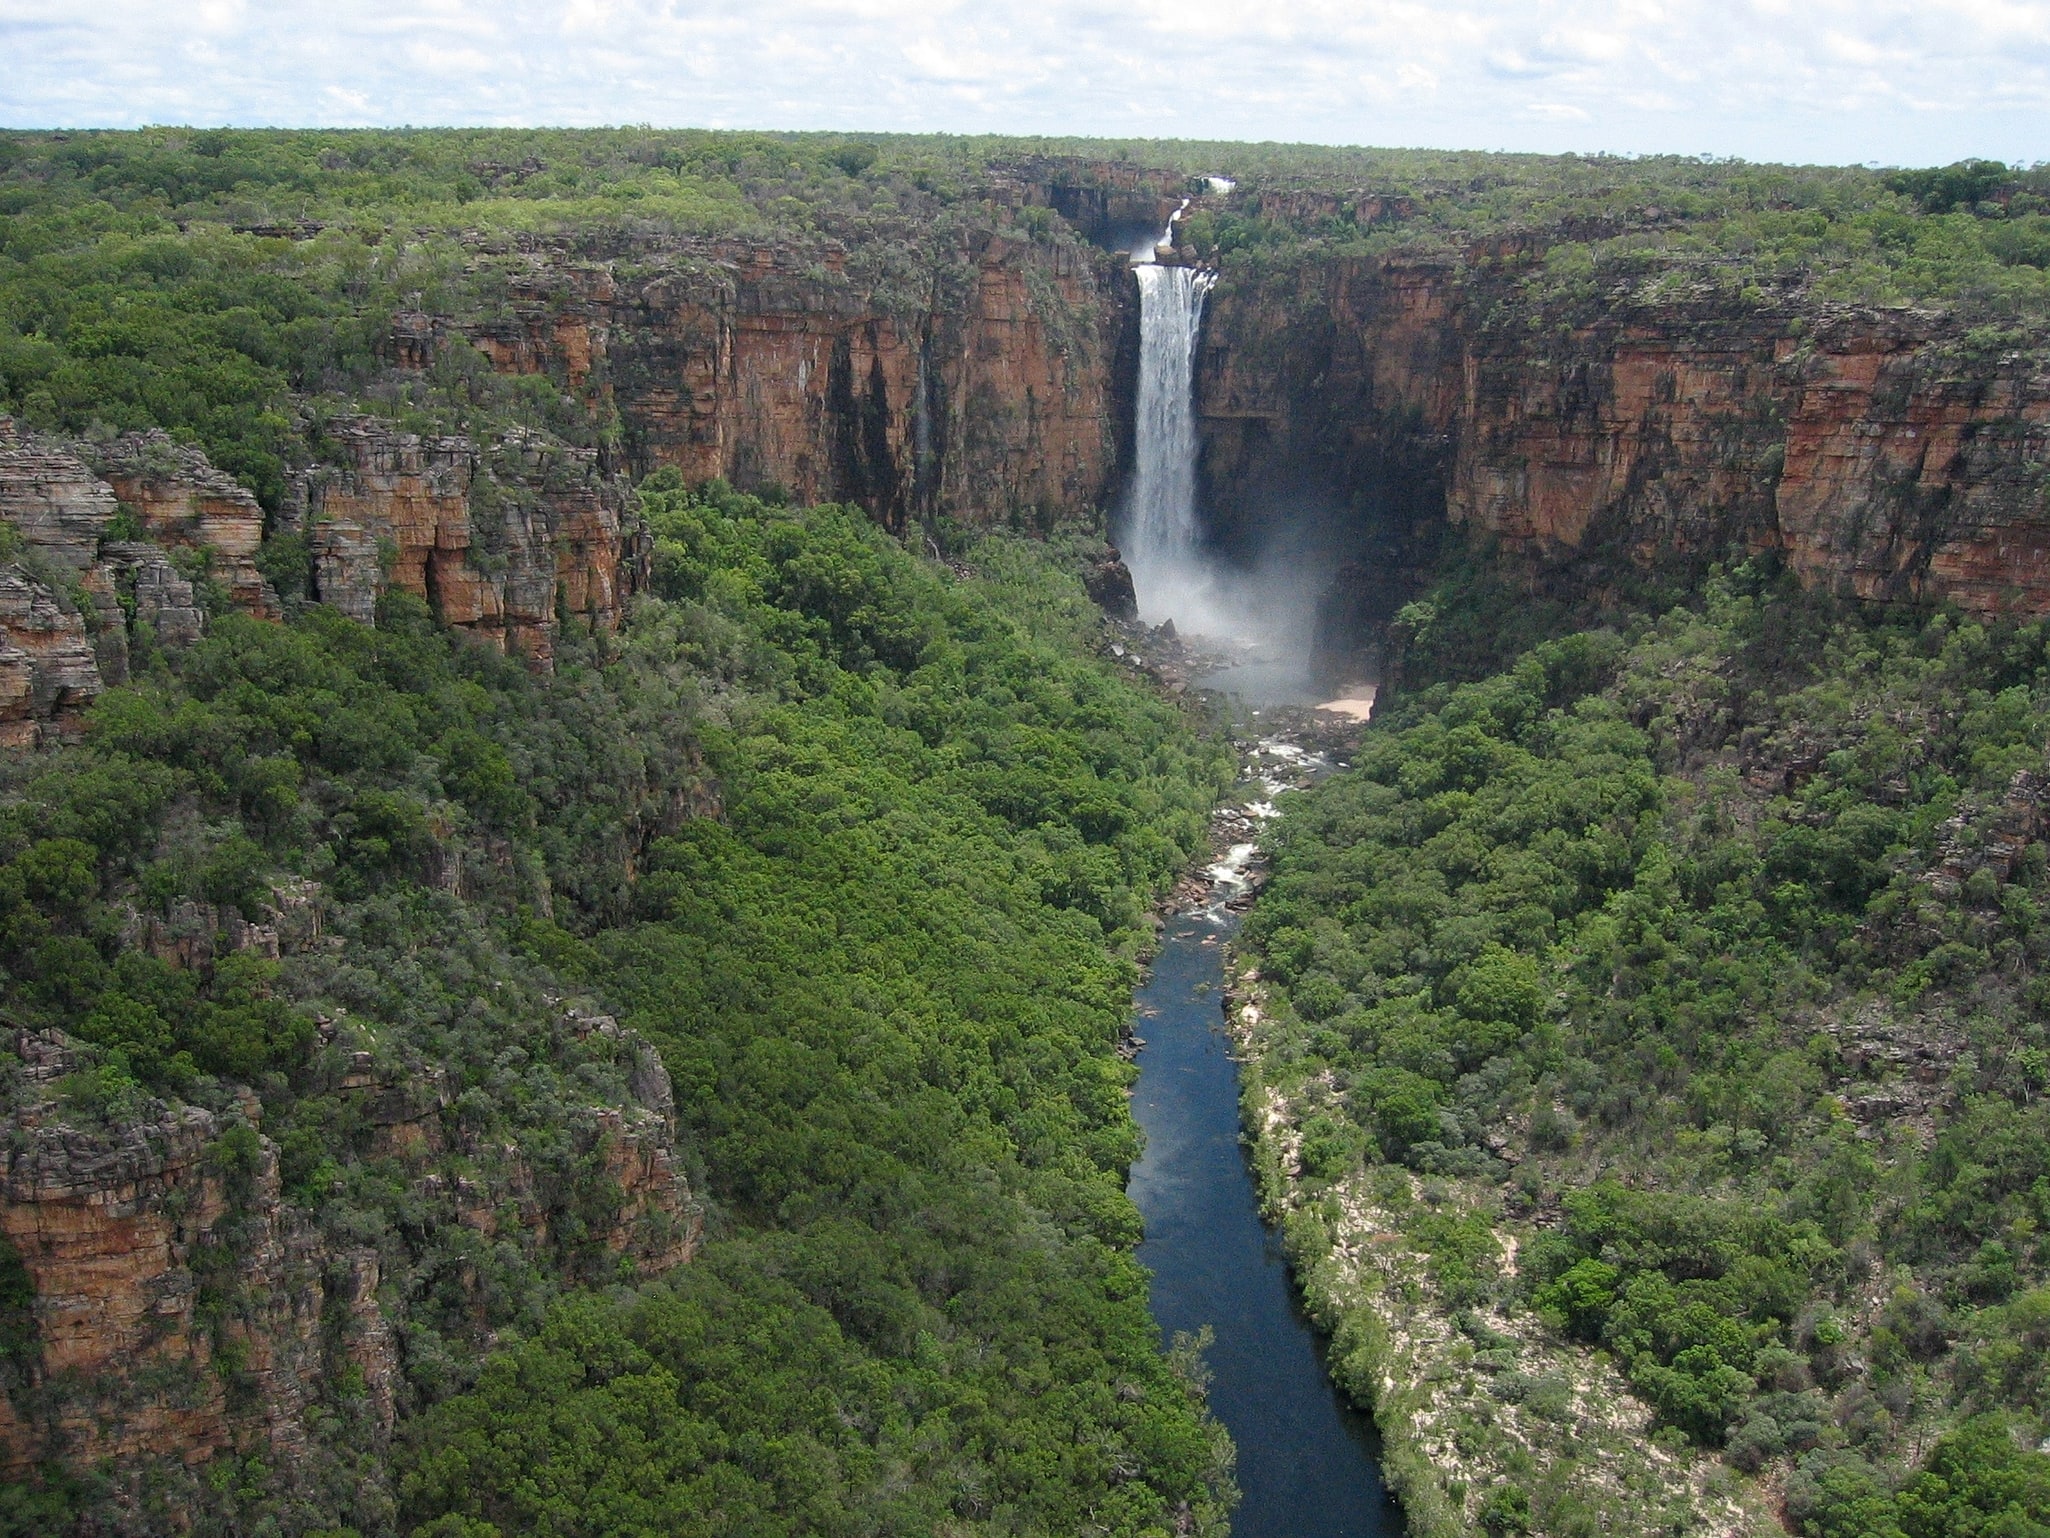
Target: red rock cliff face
(183,1306)
(990,399)
(1868,446)
(125,1234)
(184,503)
(502,538)
(64,633)
(499,538)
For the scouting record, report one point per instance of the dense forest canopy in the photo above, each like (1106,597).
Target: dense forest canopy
(1702,957)
(886,964)
(1697,951)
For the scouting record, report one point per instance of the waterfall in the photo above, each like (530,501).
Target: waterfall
(1260,606)
(1160,522)
(922,478)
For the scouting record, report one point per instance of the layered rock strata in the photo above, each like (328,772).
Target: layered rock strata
(500,539)
(48,673)
(1874,449)
(184,503)
(125,1233)
(183,1305)
(503,539)
(56,597)
(990,398)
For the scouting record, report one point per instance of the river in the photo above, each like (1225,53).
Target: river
(1307,1462)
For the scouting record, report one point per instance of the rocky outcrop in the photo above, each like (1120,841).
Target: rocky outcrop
(1112,203)
(1872,448)
(1864,445)
(184,503)
(1108,581)
(164,600)
(183,1305)
(193,935)
(1914,469)
(73,590)
(502,539)
(48,673)
(180,1308)
(58,606)
(49,497)
(990,396)
(499,539)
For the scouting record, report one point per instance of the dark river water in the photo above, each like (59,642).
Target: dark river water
(1306,1458)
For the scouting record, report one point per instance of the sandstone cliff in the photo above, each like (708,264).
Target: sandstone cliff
(1876,450)
(185,1304)
(991,396)
(55,596)
(501,539)
(184,503)
(74,592)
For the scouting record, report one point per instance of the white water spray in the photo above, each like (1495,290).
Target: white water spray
(1161,535)
(1267,609)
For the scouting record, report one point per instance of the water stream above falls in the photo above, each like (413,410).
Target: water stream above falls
(1307,1460)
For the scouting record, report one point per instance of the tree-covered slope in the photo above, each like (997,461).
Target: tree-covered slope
(861,846)
(888,982)
(1673,996)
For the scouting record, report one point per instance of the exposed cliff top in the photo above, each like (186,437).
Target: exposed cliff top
(219,285)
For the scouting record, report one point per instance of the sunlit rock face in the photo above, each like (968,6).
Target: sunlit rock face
(74,592)
(499,539)
(1383,400)
(48,673)
(989,397)
(57,598)
(185,1304)
(502,539)
(185,503)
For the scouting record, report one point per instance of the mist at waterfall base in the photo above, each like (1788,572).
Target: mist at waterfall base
(1265,609)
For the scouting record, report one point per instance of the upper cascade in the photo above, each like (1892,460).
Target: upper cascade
(1149,252)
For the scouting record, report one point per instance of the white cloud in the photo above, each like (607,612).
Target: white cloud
(1890,80)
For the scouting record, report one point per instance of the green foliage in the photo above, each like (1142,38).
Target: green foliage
(1978,1482)
(864,849)
(1652,920)
(848,979)
(35,1508)
(236,287)
(729,1400)
(17,1311)
(1506,1510)
(1939,189)
(1649,228)
(1578,1300)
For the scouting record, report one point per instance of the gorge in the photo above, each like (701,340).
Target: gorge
(585,791)
(1352,414)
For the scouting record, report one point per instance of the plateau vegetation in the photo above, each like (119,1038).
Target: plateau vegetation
(674,1086)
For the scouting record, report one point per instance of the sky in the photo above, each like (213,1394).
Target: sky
(1898,82)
